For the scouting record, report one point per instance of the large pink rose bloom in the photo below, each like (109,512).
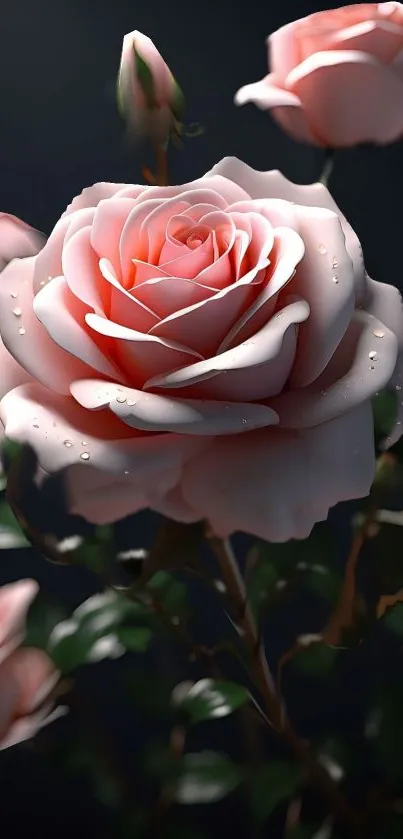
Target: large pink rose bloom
(208,350)
(336,76)
(27,675)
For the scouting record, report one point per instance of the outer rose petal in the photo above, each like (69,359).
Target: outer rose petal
(277,484)
(92,195)
(26,678)
(17,239)
(273,184)
(338,90)
(66,435)
(15,599)
(11,373)
(287,107)
(25,337)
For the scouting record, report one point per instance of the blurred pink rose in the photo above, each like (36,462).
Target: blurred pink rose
(27,675)
(336,76)
(148,95)
(208,350)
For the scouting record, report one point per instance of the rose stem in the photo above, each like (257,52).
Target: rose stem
(263,679)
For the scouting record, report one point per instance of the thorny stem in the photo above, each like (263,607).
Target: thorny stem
(261,674)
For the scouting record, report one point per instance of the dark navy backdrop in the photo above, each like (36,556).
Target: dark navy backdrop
(59,132)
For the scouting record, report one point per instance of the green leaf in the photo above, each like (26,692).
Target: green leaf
(43,615)
(95,632)
(170,593)
(384,728)
(209,699)
(394,619)
(206,777)
(11,535)
(385,413)
(273,784)
(317,658)
(145,79)
(310,564)
(261,584)
(135,639)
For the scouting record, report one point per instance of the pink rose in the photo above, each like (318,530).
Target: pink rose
(148,95)
(208,350)
(336,76)
(27,676)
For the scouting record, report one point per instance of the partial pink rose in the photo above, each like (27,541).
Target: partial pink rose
(148,95)
(208,350)
(27,676)
(336,77)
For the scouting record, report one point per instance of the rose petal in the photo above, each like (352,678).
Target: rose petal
(48,263)
(63,317)
(92,195)
(252,370)
(141,355)
(109,220)
(274,184)
(352,376)
(15,599)
(167,295)
(287,253)
(150,412)
(235,483)
(287,109)
(325,277)
(124,308)
(17,239)
(380,38)
(25,337)
(80,267)
(64,435)
(338,90)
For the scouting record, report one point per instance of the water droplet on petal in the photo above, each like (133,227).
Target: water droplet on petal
(379,333)
(373,355)
(132,402)
(335,279)
(14,295)
(398,387)
(21,330)
(372,367)
(334,262)
(17,312)
(84,442)
(68,444)
(35,425)
(244,422)
(85,456)
(127,472)
(121,399)
(321,248)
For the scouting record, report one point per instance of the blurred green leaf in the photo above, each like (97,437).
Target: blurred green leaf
(170,593)
(206,777)
(394,619)
(384,729)
(385,413)
(95,631)
(43,615)
(135,639)
(271,785)
(310,564)
(316,659)
(11,535)
(209,699)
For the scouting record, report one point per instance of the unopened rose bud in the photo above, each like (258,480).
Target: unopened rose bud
(149,98)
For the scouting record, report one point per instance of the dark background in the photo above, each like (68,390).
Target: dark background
(59,132)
